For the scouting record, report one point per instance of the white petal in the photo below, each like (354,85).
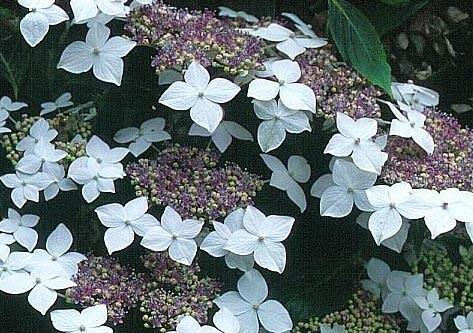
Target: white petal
(118,47)
(320,185)
(26,237)
(280,227)
(59,241)
(136,208)
(77,58)
(183,251)
(424,140)
(234,302)
(243,263)
(113,8)
(66,320)
(108,68)
(237,131)
(191,228)
(42,298)
(242,243)
(34,27)
(439,222)
(271,134)
(297,195)
(54,14)
(274,32)
(157,239)
(90,191)
(207,114)
(213,244)
(118,238)
(263,90)
(94,316)
(298,168)
(197,76)
(368,157)
(336,201)
(84,9)
(253,287)
(226,322)
(274,317)
(290,48)
(139,147)
(384,224)
(339,146)
(126,135)
(298,96)
(431,319)
(221,138)
(271,256)
(287,71)
(221,90)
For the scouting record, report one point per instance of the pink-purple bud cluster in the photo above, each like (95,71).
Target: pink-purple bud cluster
(188,180)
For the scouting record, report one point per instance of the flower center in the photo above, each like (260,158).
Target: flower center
(99,160)
(350,190)
(256,307)
(54,258)
(201,94)
(413,124)
(357,141)
(261,238)
(5,269)
(392,205)
(445,205)
(174,237)
(281,82)
(127,222)
(38,280)
(96,51)
(82,328)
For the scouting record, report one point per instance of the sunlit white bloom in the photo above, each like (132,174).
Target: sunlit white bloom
(25,187)
(391,203)
(277,120)
(57,173)
(250,307)
(445,209)
(215,242)
(86,9)
(43,13)
(99,52)
(142,138)
(14,263)
(5,240)
(355,140)
(40,131)
(432,307)
(42,284)
(464,324)
(287,41)
(296,96)
(43,155)
(396,242)
(56,256)
(86,171)
(62,101)
(7,106)
(227,12)
(202,96)
(411,126)
(21,227)
(326,328)
(176,235)
(90,319)
(262,237)
(100,18)
(303,27)
(107,159)
(416,97)
(403,287)
(378,272)
(350,184)
(288,179)
(123,222)
(223,135)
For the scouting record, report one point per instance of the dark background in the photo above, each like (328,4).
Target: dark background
(324,255)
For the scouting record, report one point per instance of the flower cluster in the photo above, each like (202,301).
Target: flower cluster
(450,164)
(173,290)
(103,280)
(73,132)
(188,180)
(180,36)
(362,315)
(338,87)
(453,281)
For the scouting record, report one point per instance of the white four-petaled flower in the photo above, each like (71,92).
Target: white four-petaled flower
(98,52)
(432,307)
(40,131)
(262,237)
(43,155)
(355,140)
(7,106)
(62,101)
(250,307)
(90,319)
(296,96)
(124,221)
(348,187)
(378,272)
(202,96)
(228,12)
(86,9)
(43,13)
(142,138)
(56,255)
(21,227)
(174,234)
(277,120)
(287,41)
(215,242)
(464,323)
(223,135)
(288,179)
(57,173)
(25,187)
(417,98)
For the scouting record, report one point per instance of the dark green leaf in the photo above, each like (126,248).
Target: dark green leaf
(359,43)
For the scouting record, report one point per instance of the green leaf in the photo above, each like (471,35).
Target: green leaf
(358,42)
